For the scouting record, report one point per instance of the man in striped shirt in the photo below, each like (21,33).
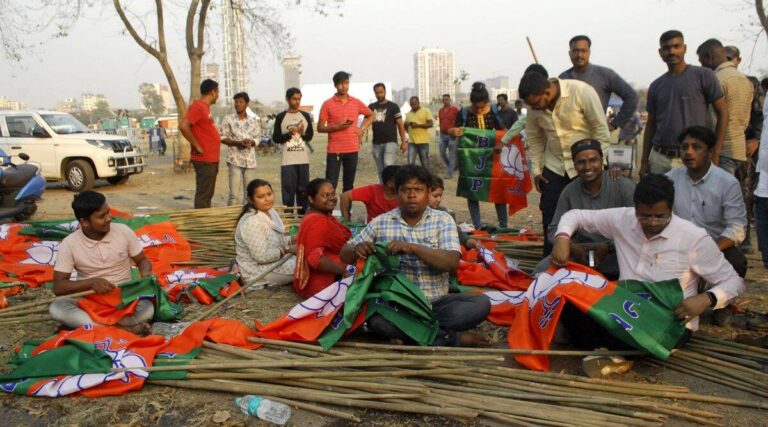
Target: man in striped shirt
(338,116)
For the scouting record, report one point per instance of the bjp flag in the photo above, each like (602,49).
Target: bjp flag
(490,176)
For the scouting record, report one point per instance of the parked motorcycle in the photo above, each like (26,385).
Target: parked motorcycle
(21,186)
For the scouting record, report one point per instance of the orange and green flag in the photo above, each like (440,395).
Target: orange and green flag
(490,176)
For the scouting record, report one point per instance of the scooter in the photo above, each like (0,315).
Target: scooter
(21,186)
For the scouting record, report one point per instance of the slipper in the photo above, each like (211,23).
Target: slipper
(602,366)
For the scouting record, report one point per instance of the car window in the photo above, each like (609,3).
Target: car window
(20,126)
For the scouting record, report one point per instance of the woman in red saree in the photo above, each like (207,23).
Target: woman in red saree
(319,242)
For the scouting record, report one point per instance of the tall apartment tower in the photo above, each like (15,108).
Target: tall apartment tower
(434,73)
(292,71)
(235,66)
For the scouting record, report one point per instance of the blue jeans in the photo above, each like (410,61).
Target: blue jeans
(474,213)
(448,144)
(761,226)
(418,150)
(384,154)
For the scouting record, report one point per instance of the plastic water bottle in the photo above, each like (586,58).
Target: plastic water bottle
(267,410)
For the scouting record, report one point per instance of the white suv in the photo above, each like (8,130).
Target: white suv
(67,149)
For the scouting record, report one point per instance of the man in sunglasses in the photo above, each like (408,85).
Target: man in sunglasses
(652,244)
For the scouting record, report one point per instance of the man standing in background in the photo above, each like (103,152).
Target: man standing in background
(604,80)
(447,144)
(387,123)
(198,128)
(240,133)
(338,117)
(417,121)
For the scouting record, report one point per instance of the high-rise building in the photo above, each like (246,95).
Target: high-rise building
(434,73)
(10,104)
(66,105)
(235,66)
(497,82)
(292,71)
(210,71)
(90,100)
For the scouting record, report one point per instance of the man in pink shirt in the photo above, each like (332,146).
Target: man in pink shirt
(100,253)
(338,116)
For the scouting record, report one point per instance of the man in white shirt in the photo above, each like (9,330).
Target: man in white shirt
(761,192)
(653,244)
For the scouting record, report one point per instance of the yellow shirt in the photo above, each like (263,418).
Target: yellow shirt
(578,115)
(738,91)
(419,117)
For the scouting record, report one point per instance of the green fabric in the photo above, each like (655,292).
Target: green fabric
(149,287)
(354,227)
(77,357)
(213,286)
(641,314)
(475,155)
(374,290)
(59,229)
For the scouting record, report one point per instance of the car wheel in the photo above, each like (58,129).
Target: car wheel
(79,175)
(118,180)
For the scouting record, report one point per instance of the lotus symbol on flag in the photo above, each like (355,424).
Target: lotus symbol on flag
(512,161)
(43,253)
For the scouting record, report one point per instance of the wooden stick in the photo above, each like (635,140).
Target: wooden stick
(218,305)
(19,313)
(238,364)
(530,46)
(45,301)
(25,319)
(260,389)
(489,350)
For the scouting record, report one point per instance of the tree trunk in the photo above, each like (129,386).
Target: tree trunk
(760,7)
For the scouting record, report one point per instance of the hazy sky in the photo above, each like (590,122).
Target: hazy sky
(375,40)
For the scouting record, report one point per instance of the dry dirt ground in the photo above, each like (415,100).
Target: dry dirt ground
(159,187)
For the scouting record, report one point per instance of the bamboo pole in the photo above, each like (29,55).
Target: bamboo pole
(323,363)
(530,46)
(435,349)
(259,389)
(46,301)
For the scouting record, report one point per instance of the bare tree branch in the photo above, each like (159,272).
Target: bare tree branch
(132,31)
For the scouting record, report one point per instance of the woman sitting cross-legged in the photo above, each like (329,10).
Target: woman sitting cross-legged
(319,242)
(260,240)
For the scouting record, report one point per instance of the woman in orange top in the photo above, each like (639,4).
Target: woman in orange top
(319,242)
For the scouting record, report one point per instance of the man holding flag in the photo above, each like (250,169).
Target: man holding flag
(100,254)
(653,244)
(428,245)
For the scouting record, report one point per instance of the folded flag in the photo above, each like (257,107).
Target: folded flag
(109,308)
(340,308)
(81,361)
(488,176)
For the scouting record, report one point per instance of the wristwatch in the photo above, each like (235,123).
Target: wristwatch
(712,298)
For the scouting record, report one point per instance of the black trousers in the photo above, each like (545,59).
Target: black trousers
(205,183)
(736,258)
(333,165)
(454,312)
(293,182)
(550,194)
(586,334)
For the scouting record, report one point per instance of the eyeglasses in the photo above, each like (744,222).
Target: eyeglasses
(653,219)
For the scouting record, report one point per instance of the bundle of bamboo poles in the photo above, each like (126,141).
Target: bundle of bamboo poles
(526,253)
(723,362)
(457,383)
(211,232)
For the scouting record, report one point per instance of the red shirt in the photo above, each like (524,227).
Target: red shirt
(199,115)
(322,236)
(334,112)
(447,116)
(373,198)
